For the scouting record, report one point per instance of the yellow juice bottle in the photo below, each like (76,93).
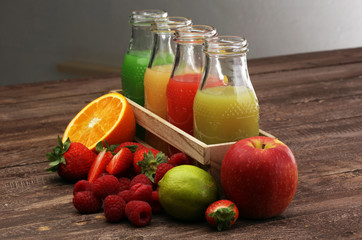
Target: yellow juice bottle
(225,107)
(225,114)
(155,82)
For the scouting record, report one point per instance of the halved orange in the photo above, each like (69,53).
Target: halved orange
(109,117)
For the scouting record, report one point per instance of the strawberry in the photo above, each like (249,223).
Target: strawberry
(120,162)
(222,214)
(72,160)
(149,161)
(139,155)
(99,165)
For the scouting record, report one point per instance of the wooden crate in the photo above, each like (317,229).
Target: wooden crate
(210,156)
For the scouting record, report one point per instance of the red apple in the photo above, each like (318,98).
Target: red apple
(260,175)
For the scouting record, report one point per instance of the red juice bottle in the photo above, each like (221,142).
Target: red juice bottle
(186,75)
(181,92)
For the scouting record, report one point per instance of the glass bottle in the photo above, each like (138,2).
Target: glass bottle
(138,54)
(226,108)
(186,74)
(160,67)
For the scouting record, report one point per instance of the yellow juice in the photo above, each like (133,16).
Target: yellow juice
(155,83)
(225,114)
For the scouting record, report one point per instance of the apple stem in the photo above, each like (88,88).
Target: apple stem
(263,146)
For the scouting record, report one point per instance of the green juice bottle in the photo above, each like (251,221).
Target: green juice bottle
(133,71)
(138,54)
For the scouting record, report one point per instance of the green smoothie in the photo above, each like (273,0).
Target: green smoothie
(133,71)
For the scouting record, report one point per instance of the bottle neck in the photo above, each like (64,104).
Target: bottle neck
(141,39)
(189,59)
(226,71)
(163,52)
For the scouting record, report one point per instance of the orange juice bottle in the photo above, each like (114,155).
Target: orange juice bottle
(225,107)
(160,67)
(159,70)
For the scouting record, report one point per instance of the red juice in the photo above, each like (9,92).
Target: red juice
(180,93)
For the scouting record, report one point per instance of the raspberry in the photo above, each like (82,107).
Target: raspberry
(82,185)
(125,182)
(124,195)
(179,159)
(86,202)
(140,178)
(139,213)
(155,203)
(114,208)
(161,171)
(141,192)
(103,174)
(106,185)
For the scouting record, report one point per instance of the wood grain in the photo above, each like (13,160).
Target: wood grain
(312,102)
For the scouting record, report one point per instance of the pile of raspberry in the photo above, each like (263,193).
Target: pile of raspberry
(133,198)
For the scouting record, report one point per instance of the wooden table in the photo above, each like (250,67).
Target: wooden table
(312,102)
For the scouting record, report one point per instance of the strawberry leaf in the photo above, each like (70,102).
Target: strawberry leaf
(55,163)
(223,216)
(112,148)
(56,157)
(100,147)
(150,163)
(133,148)
(52,169)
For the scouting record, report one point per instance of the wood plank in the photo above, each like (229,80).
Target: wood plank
(301,212)
(43,91)
(304,61)
(312,102)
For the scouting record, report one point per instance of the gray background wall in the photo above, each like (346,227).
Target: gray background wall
(38,34)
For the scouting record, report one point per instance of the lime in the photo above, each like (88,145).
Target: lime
(186,191)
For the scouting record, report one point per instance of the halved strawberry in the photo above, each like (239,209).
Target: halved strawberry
(99,165)
(120,162)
